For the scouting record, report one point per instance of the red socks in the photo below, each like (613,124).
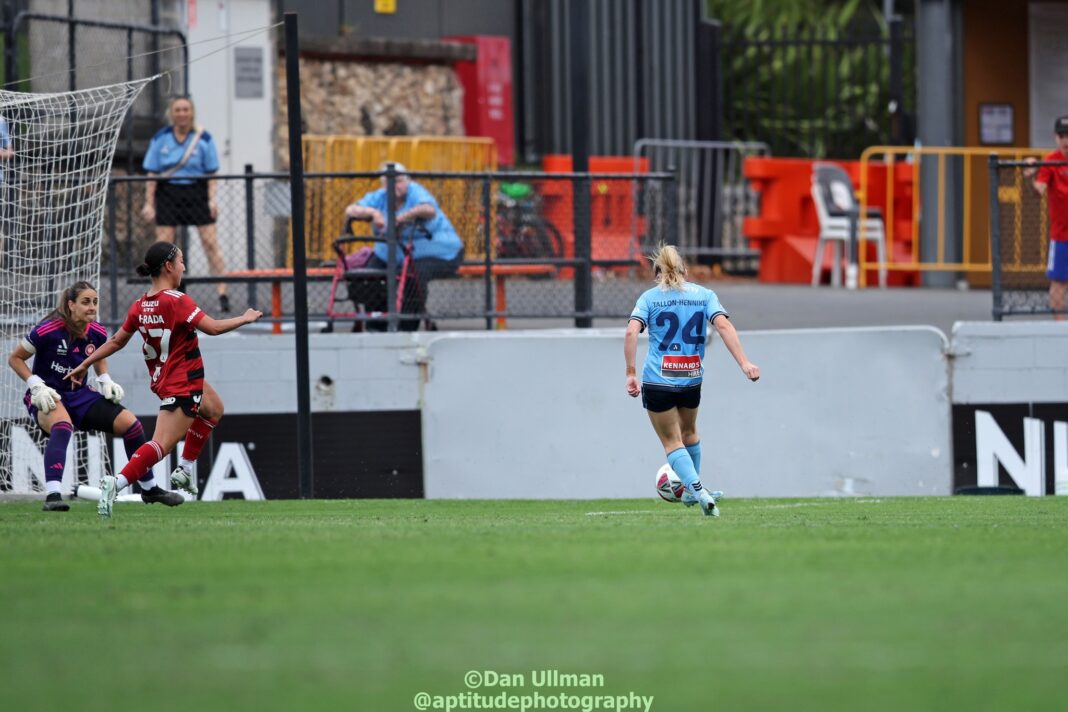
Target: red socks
(196,437)
(142,461)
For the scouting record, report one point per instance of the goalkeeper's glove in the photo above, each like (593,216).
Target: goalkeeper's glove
(44,399)
(108,388)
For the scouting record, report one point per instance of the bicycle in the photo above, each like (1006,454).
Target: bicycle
(522,230)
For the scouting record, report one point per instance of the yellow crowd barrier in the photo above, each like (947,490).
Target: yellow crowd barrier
(326,198)
(972,190)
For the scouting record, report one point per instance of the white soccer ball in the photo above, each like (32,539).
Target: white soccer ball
(668,484)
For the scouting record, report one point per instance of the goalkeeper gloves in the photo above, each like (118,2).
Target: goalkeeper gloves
(44,399)
(108,388)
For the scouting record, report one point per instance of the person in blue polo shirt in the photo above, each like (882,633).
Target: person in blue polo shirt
(183,156)
(437,251)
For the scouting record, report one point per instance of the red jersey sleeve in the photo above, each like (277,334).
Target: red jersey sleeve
(131,323)
(186,310)
(1046,174)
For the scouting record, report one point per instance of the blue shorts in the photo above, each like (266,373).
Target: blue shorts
(88,409)
(1057,267)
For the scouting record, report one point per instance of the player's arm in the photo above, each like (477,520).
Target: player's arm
(630,354)
(117,341)
(17,361)
(214,327)
(725,329)
(107,387)
(42,395)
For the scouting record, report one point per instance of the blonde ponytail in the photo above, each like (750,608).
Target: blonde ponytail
(669,266)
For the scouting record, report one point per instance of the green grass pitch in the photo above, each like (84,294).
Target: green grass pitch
(821,604)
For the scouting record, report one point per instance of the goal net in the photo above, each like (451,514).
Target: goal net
(52,195)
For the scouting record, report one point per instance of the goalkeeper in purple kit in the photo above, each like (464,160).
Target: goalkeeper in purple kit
(57,345)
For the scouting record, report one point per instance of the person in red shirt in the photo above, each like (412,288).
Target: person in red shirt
(1052,182)
(168,321)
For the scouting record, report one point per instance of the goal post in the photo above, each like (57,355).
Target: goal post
(52,199)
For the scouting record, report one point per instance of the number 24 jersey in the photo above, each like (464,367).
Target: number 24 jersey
(167,322)
(676,319)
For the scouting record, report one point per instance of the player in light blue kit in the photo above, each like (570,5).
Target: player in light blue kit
(675,312)
(57,345)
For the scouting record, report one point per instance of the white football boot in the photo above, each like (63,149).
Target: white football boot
(108,490)
(183,479)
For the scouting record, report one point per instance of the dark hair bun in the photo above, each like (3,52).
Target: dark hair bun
(144,270)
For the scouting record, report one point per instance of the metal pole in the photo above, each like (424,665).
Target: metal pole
(995,238)
(391,248)
(71,48)
(897,59)
(300,277)
(113,241)
(487,239)
(250,231)
(10,38)
(580,156)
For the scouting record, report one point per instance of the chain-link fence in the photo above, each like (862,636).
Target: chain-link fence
(535,246)
(1020,234)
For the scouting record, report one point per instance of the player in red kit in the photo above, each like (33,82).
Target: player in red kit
(168,322)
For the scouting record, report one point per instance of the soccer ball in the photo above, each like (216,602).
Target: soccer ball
(668,484)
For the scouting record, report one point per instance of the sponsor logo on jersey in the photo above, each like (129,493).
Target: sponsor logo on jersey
(61,369)
(146,305)
(62,348)
(150,318)
(189,319)
(680,366)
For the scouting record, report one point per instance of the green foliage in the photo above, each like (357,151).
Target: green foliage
(810,78)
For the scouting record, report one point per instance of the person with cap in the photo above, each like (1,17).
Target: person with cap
(437,250)
(1051,181)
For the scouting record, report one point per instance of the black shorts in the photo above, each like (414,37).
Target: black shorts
(183,204)
(659,400)
(190,404)
(101,417)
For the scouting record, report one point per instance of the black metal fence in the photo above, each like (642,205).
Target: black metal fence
(1020,237)
(565,247)
(818,91)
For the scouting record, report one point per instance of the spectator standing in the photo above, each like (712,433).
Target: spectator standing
(182,156)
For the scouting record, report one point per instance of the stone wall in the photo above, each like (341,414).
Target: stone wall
(371,98)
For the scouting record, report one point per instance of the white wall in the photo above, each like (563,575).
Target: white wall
(1010,362)
(542,414)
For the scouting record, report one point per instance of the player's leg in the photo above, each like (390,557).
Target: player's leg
(165,233)
(208,416)
(171,425)
(692,441)
(126,425)
(57,424)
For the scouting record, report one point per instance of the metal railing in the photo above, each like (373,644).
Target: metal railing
(1020,240)
(714,195)
(944,208)
(597,274)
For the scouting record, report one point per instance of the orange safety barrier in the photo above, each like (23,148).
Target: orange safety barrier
(787,229)
(614,235)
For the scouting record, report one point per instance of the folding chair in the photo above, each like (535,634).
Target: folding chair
(839,212)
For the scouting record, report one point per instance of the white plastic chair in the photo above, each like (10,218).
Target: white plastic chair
(838,211)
